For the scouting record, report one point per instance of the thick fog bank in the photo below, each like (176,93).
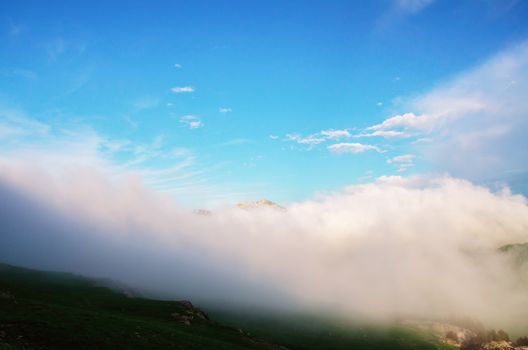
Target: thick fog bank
(424,246)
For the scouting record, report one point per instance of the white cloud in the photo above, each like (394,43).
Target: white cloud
(273,137)
(318,138)
(389,134)
(15,123)
(346,147)
(177,66)
(404,162)
(224,110)
(477,120)
(180,89)
(311,140)
(192,121)
(405,121)
(335,134)
(406,158)
(421,247)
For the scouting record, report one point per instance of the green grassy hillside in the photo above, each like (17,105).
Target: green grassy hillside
(311,332)
(49,310)
(46,310)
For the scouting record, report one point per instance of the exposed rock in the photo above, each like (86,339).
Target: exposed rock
(498,345)
(189,313)
(448,333)
(185,319)
(187,304)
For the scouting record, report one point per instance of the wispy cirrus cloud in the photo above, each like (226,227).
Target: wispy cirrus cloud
(306,140)
(404,161)
(319,137)
(237,142)
(16,29)
(351,147)
(405,158)
(389,134)
(55,48)
(413,6)
(182,89)
(225,110)
(146,102)
(335,134)
(399,10)
(15,123)
(19,72)
(191,121)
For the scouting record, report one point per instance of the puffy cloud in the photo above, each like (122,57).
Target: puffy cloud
(335,134)
(483,132)
(405,158)
(422,246)
(406,121)
(348,147)
(475,124)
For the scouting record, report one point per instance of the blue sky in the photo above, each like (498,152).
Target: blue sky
(216,102)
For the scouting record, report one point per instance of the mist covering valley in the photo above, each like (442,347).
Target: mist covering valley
(418,247)
(323,175)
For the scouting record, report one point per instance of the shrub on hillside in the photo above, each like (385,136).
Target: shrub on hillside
(502,335)
(452,336)
(522,341)
(473,343)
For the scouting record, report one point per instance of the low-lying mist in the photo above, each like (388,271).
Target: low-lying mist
(397,247)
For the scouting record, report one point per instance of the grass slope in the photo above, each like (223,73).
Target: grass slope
(49,310)
(311,332)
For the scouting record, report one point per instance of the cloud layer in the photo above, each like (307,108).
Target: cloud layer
(476,123)
(423,246)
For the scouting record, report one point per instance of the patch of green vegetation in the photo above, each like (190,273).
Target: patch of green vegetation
(310,332)
(46,310)
(49,310)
